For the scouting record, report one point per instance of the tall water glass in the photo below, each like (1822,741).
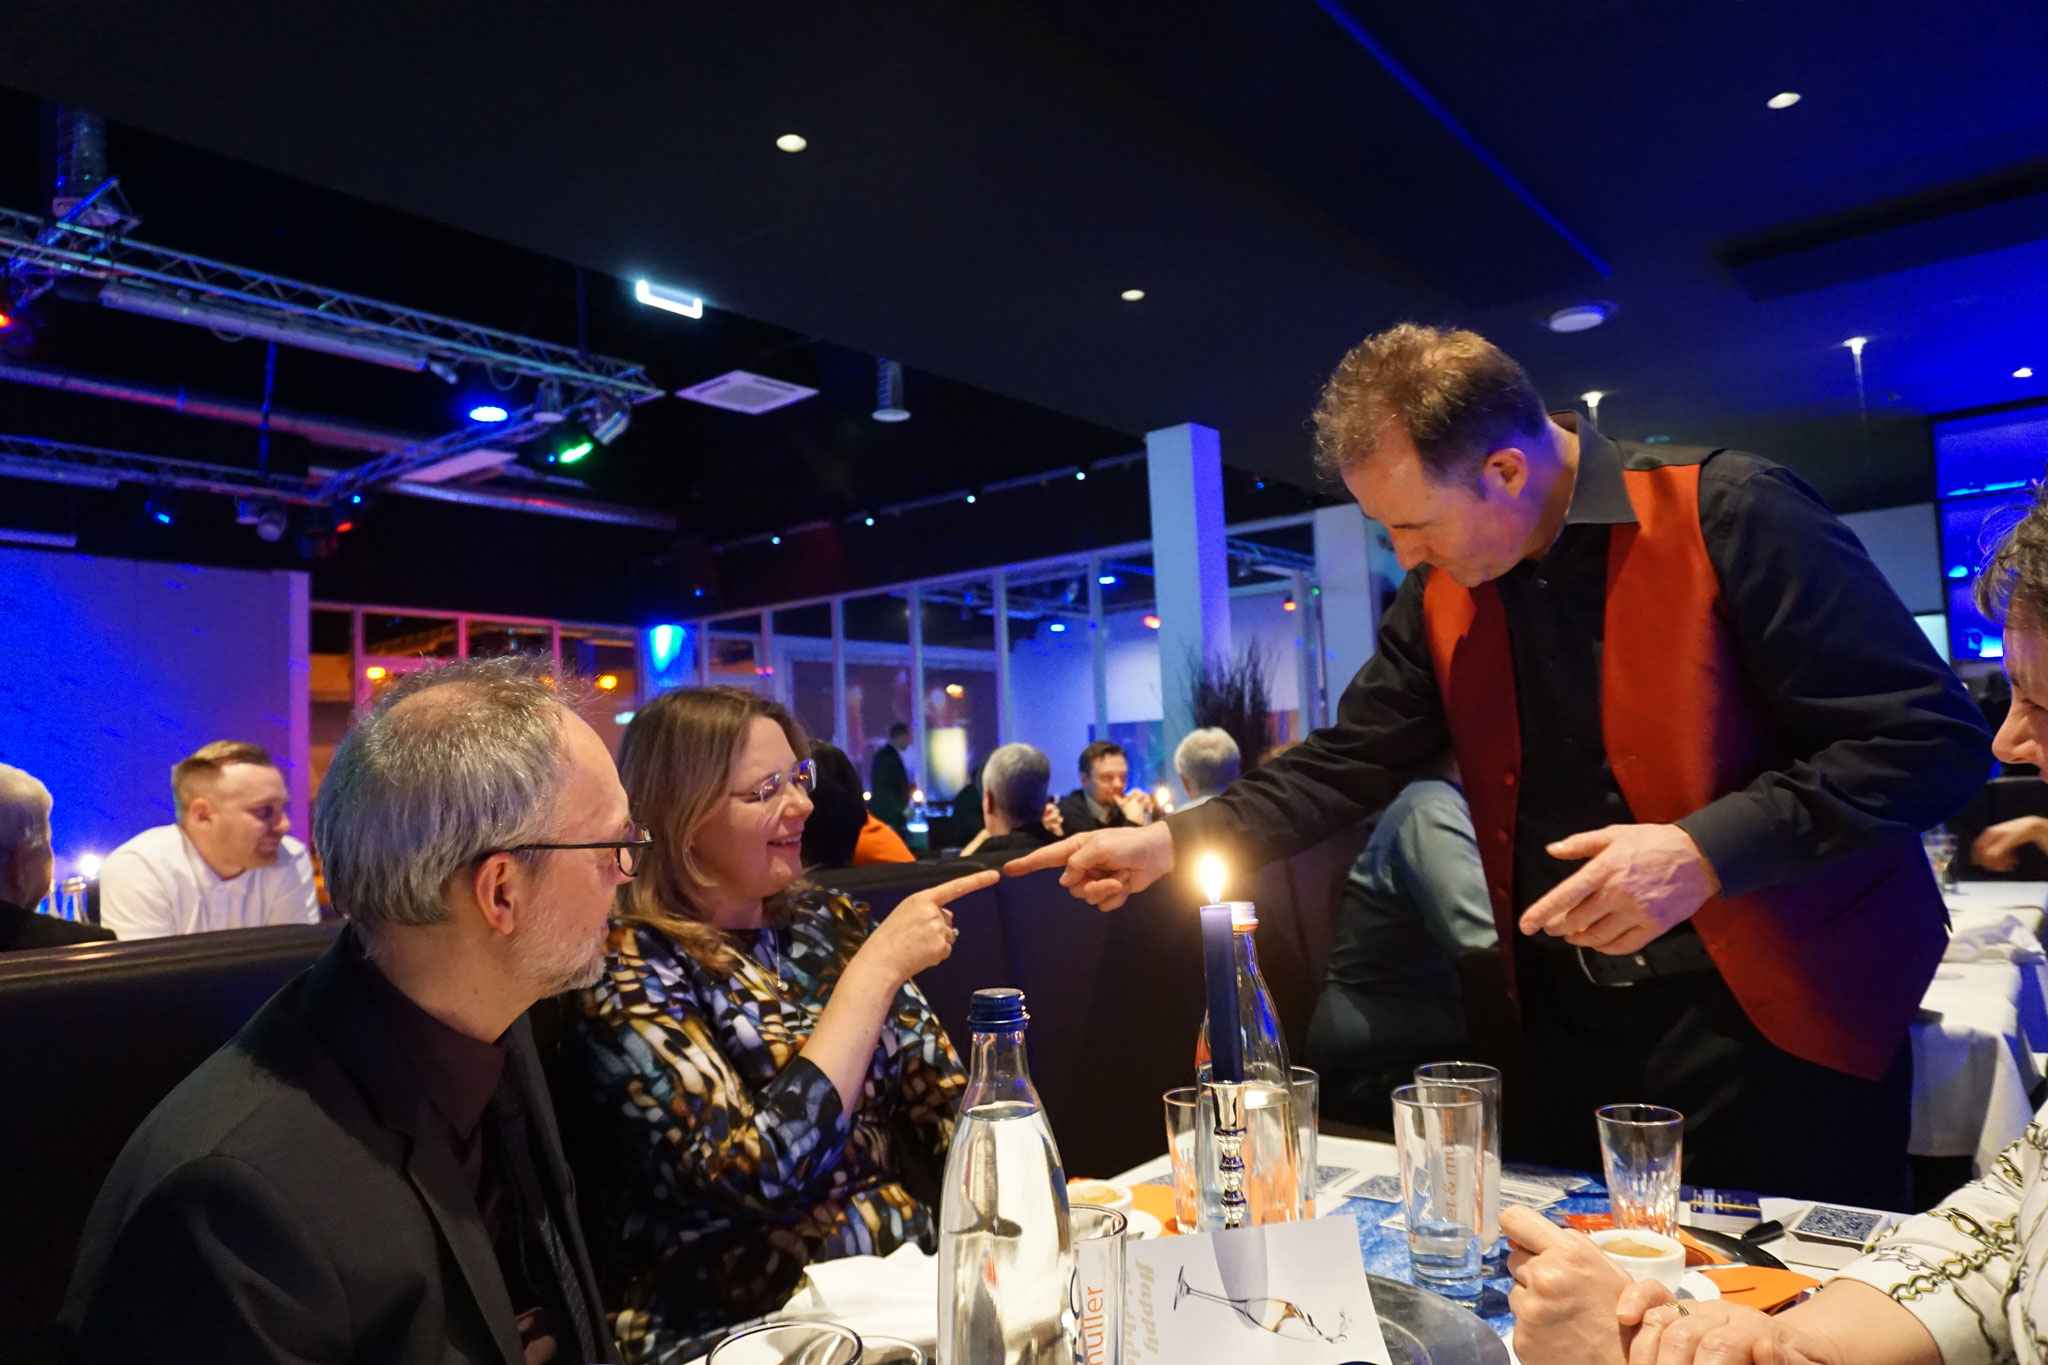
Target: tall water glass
(1641,1147)
(1181,1107)
(1486,1080)
(1440,1134)
(1097,1297)
(790,1343)
(1940,847)
(1307,1088)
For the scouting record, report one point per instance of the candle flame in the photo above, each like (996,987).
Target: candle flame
(1211,875)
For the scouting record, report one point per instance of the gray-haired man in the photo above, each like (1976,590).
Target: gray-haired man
(1206,762)
(1013,808)
(25,866)
(370,1169)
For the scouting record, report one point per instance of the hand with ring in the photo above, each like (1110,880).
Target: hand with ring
(1717,1333)
(1572,1305)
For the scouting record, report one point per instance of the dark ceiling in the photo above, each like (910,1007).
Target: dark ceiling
(1280,178)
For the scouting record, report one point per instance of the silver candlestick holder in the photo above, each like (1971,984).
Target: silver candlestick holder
(1230,1150)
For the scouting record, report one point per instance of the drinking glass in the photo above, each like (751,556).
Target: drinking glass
(1097,1295)
(1181,1107)
(1486,1080)
(1307,1088)
(1440,1134)
(1940,846)
(892,1351)
(1640,1147)
(789,1343)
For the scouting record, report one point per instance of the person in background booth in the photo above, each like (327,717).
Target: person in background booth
(1014,782)
(889,781)
(1206,762)
(1966,1282)
(1699,735)
(1101,802)
(762,1084)
(228,863)
(842,832)
(26,865)
(370,1169)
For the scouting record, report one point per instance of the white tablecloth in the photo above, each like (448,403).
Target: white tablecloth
(1982,1034)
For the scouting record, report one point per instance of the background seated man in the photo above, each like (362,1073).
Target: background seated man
(370,1170)
(1013,785)
(1101,802)
(1414,902)
(1207,762)
(228,863)
(25,867)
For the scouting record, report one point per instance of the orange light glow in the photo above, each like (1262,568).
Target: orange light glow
(1152,622)
(375,673)
(955,690)
(1288,605)
(606,682)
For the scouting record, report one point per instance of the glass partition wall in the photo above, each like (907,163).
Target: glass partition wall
(1056,653)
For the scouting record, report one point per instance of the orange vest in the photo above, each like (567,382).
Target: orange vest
(1830,967)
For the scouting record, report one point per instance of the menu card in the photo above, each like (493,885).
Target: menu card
(1284,1293)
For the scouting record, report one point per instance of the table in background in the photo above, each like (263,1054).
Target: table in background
(1981,1036)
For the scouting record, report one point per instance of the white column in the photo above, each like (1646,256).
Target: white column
(920,767)
(841,734)
(703,629)
(1353,559)
(1098,648)
(1006,714)
(1191,569)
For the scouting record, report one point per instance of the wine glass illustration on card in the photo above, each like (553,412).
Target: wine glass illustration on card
(1281,1317)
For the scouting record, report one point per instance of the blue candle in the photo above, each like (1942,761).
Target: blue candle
(1219,962)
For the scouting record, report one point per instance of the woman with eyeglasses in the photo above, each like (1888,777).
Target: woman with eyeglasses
(762,1083)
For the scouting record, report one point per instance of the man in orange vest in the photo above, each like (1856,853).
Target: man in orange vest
(1699,735)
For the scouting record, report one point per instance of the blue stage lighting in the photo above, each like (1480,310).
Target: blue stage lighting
(488,412)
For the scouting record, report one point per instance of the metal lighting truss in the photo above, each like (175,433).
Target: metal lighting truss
(33,457)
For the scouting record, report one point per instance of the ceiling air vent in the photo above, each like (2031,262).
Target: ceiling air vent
(740,391)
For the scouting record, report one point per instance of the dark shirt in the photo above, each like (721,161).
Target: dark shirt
(1078,815)
(1880,736)
(889,787)
(22,928)
(998,849)
(461,1076)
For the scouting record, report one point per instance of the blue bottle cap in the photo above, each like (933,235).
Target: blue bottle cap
(999,1009)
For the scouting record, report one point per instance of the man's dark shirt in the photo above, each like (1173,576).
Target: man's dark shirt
(998,849)
(22,928)
(1881,735)
(460,1076)
(1077,815)
(889,787)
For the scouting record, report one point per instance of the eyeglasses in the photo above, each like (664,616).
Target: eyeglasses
(804,777)
(630,853)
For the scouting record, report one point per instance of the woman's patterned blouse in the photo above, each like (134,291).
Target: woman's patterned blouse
(721,1161)
(1971,1270)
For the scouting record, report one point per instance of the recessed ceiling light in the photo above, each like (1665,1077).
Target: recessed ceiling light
(775,540)
(794,142)
(1133,295)
(1580,317)
(667,299)
(1856,345)
(970,499)
(2023,372)
(1783,101)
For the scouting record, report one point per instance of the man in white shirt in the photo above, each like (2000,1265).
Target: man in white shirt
(226,864)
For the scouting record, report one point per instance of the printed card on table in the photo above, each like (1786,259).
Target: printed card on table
(1280,1294)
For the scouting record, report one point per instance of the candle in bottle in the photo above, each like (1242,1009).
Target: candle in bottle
(1219,965)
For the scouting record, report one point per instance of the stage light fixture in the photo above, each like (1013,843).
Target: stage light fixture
(792,142)
(1080,476)
(871,521)
(1058,627)
(1151,623)
(160,511)
(970,499)
(2023,372)
(88,865)
(1783,100)
(488,412)
(566,443)
(668,300)
(1580,317)
(889,393)
(1107,580)
(609,420)
(443,370)
(1133,295)
(1289,605)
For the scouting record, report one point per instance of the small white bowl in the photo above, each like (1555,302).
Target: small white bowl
(1667,1267)
(1100,1193)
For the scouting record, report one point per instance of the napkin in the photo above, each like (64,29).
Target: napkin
(2006,941)
(892,1296)
(1760,1287)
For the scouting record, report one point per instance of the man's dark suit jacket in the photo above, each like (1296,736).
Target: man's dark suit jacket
(22,928)
(291,1202)
(1076,818)
(889,788)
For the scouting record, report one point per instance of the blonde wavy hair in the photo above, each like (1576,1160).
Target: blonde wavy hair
(676,764)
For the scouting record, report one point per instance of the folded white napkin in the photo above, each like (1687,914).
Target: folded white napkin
(2006,941)
(892,1296)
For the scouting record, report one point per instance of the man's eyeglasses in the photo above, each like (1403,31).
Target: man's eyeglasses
(804,777)
(630,853)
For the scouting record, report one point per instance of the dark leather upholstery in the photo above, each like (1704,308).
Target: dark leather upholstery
(94,1035)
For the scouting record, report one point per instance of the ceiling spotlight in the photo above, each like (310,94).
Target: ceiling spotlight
(791,142)
(1783,101)
(871,521)
(488,412)
(1107,580)
(667,299)
(609,419)
(1133,295)
(970,499)
(1081,476)
(565,443)
(1057,627)
(889,393)
(775,540)
(1856,345)
(2023,372)
(1580,317)
(160,511)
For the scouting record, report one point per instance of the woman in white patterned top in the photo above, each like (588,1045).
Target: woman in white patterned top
(1961,1285)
